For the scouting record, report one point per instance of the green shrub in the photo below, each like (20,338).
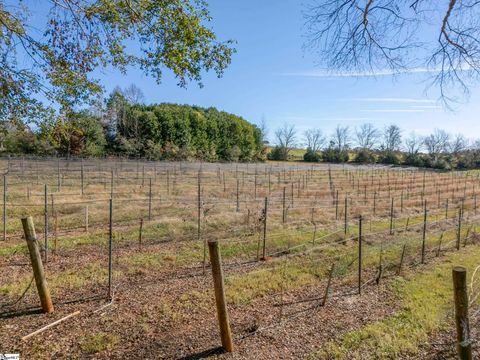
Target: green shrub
(311,156)
(390,158)
(335,155)
(364,157)
(277,154)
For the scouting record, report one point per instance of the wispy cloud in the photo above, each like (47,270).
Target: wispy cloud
(395,100)
(393,110)
(426,107)
(330,119)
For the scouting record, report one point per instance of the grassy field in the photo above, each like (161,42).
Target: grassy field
(164,213)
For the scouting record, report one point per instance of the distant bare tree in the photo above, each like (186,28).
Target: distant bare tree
(315,139)
(367,136)
(286,138)
(437,142)
(413,144)
(263,129)
(396,36)
(341,138)
(458,144)
(134,95)
(392,138)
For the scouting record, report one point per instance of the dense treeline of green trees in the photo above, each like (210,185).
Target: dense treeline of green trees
(122,125)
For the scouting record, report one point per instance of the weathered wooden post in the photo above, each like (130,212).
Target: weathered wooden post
(283,206)
(220,300)
(464,347)
(37,266)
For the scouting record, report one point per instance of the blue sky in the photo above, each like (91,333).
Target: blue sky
(272,77)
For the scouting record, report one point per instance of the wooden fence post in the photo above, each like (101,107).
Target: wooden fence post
(222,312)
(37,266)
(464,347)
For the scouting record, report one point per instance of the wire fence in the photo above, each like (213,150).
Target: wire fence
(163,214)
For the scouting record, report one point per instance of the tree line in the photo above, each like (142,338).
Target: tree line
(123,125)
(367,144)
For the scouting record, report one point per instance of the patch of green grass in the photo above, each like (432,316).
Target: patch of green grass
(427,307)
(146,260)
(69,279)
(13,249)
(96,343)
(242,289)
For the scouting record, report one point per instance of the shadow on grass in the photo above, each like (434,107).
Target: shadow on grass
(10,314)
(204,354)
